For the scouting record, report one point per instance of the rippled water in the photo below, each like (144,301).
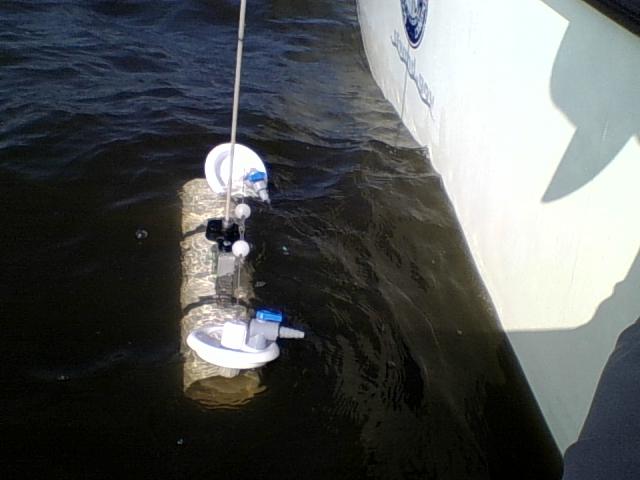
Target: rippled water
(107,109)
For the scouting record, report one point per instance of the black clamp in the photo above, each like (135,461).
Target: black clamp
(224,237)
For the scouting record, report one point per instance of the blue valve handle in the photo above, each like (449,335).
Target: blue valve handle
(269,315)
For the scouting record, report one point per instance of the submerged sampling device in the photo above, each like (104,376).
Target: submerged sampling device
(221,334)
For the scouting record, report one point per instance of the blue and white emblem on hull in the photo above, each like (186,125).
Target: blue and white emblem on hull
(414,16)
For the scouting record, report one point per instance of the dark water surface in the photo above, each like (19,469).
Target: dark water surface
(106,109)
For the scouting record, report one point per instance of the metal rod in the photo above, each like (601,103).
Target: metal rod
(236,101)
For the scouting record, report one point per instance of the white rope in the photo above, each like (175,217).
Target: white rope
(236,101)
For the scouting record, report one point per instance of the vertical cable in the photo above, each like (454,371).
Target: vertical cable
(236,101)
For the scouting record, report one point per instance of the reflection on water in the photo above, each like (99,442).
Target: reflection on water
(221,392)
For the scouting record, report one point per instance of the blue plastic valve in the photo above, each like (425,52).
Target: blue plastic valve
(269,315)
(256,176)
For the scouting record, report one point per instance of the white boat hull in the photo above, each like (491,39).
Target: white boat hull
(530,111)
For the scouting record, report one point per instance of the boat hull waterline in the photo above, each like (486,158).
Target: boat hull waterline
(529,111)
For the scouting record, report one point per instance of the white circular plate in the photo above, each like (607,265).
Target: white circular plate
(205,342)
(216,167)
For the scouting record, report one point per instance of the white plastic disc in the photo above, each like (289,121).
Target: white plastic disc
(205,342)
(216,167)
